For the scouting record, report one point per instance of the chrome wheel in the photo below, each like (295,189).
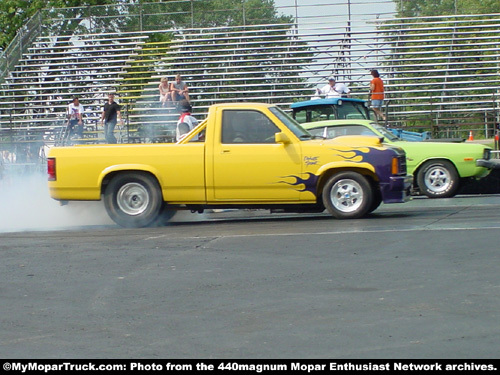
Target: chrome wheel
(132,198)
(346,195)
(437,179)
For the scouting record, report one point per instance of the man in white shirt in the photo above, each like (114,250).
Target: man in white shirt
(75,112)
(333,89)
(186,121)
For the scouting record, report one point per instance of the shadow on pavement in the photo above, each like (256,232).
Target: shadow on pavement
(488,185)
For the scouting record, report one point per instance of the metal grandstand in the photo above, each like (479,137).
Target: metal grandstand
(441,73)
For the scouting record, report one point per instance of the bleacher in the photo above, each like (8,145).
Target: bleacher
(440,73)
(37,92)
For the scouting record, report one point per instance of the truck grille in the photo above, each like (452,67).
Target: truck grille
(402,164)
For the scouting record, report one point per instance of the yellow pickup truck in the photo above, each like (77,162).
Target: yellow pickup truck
(243,155)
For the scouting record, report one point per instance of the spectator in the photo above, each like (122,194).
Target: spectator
(377,93)
(75,112)
(179,90)
(333,89)
(165,95)
(110,115)
(186,121)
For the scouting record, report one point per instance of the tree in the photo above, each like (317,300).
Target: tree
(15,13)
(444,53)
(239,12)
(423,8)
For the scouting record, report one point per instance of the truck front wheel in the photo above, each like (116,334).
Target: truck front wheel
(348,195)
(133,199)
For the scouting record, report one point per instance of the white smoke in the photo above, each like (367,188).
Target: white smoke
(27,205)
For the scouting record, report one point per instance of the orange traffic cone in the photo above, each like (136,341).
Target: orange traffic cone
(471,138)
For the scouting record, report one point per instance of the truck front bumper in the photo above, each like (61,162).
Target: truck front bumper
(397,190)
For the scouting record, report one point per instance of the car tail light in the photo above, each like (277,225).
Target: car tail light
(51,169)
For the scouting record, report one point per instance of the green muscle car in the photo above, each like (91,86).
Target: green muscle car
(438,168)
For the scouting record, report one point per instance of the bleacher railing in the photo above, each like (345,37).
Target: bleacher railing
(19,45)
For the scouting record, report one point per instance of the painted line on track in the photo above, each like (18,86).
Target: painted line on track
(368,231)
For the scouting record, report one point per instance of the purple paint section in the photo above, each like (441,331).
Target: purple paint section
(393,188)
(309,183)
(380,159)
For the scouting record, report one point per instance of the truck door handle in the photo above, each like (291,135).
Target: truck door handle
(225,151)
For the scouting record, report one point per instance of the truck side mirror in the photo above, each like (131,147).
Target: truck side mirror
(281,138)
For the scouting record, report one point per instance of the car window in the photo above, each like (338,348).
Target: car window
(352,110)
(344,110)
(247,126)
(314,114)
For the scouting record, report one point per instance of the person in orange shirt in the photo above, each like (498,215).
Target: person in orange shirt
(377,93)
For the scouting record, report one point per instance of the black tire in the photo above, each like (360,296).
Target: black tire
(376,200)
(438,179)
(348,195)
(133,199)
(165,215)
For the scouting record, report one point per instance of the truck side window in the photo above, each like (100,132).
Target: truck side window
(230,134)
(247,126)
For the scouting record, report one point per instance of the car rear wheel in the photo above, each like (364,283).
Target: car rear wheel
(438,179)
(348,195)
(133,199)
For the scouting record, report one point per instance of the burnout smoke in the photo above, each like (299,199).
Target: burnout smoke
(26,205)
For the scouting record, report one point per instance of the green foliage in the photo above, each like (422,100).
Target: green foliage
(15,13)
(237,12)
(444,55)
(12,15)
(207,13)
(424,8)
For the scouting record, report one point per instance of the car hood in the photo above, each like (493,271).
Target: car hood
(357,141)
(441,148)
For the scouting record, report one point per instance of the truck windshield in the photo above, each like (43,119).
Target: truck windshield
(290,123)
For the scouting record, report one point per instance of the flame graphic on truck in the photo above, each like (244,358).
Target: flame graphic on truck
(309,182)
(379,159)
(356,155)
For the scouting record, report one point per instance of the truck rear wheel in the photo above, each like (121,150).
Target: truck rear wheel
(348,195)
(133,199)
(165,215)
